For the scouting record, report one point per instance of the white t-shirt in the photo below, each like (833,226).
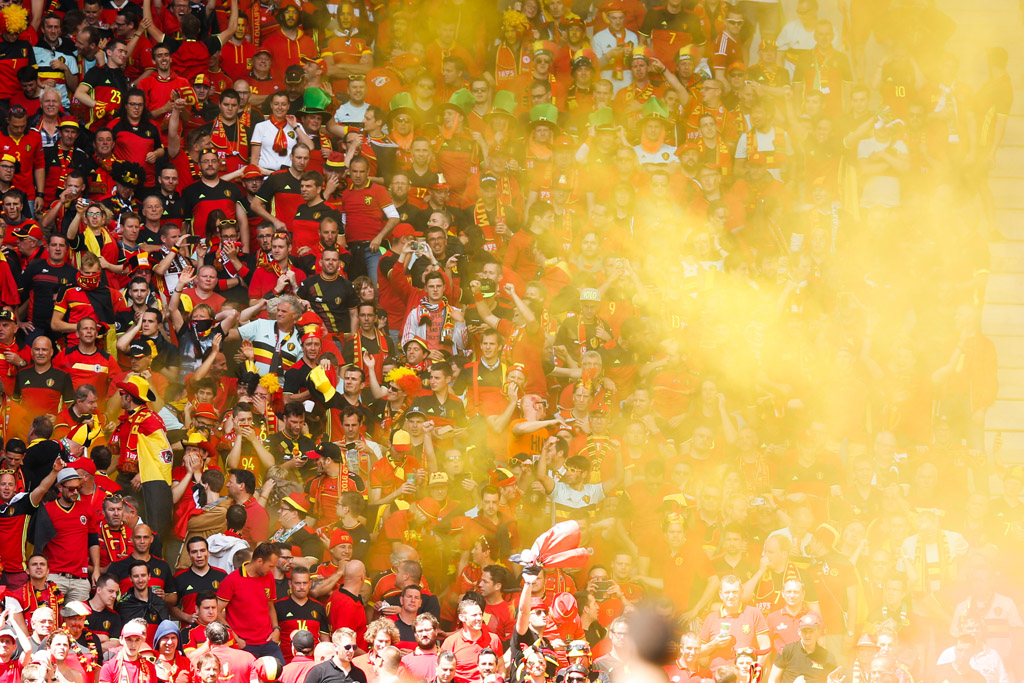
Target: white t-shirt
(351,114)
(794,36)
(563,495)
(603,43)
(264,134)
(666,154)
(765,143)
(956,543)
(881,190)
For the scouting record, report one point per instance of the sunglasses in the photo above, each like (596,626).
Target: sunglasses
(348,647)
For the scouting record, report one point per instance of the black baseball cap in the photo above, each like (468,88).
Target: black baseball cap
(138,350)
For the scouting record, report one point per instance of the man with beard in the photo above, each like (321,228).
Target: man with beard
(16,511)
(115,537)
(330,295)
(228,135)
(211,193)
(41,281)
(280,196)
(298,612)
(306,220)
(290,43)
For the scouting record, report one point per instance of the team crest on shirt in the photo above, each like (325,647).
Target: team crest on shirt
(664,155)
(267,591)
(216,584)
(367,200)
(157,571)
(745,628)
(291,134)
(82,519)
(106,625)
(49,382)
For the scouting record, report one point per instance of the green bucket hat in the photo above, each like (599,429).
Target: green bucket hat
(315,101)
(654,109)
(401,104)
(461,101)
(504,105)
(546,113)
(603,119)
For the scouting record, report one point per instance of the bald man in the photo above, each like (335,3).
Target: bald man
(161,578)
(42,388)
(346,608)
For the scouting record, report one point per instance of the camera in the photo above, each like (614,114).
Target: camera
(488,287)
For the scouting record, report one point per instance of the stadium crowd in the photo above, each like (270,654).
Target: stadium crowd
(315,314)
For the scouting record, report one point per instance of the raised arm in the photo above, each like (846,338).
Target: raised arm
(225,35)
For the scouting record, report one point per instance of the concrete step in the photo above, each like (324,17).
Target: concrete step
(1005,415)
(1008,256)
(1004,288)
(1003,319)
(1007,192)
(1013,443)
(1009,349)
(1011,379)
(1010,223)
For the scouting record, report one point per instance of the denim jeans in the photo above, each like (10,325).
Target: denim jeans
(272,649)
(364,260)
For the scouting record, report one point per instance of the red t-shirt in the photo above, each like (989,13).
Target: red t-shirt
(347,610)
(249,604)
(68,550)
(113,671)
(364,212)
(28,149)
(94,368)
(257,526)
(466,652)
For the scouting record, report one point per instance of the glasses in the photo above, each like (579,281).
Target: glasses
(735,22)
(618,634)
(94,213)
(348,647)
(575,679)
(135,104)
(228,221)
(403,119)
(479,89)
